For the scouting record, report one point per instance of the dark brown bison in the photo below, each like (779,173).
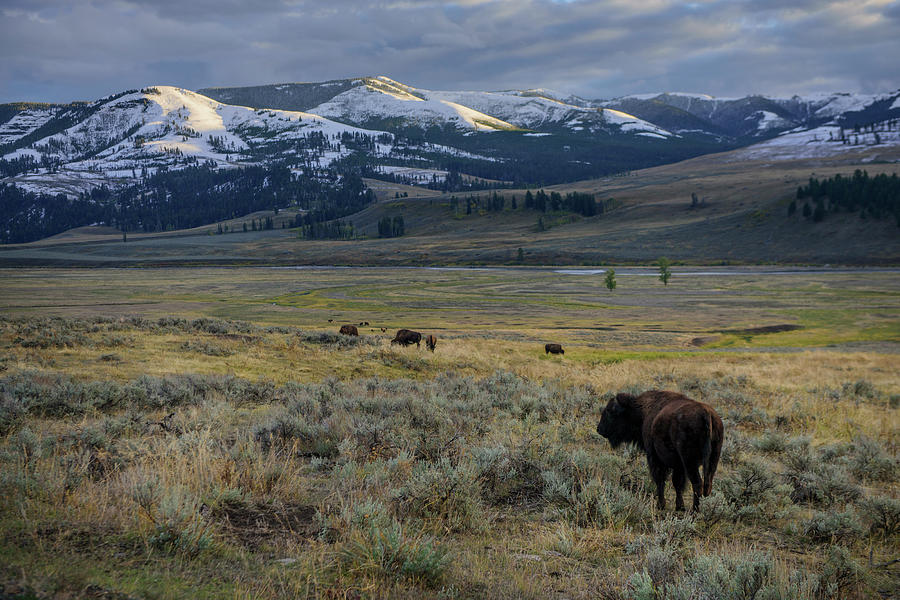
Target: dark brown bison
(553,349)
(349,330)
(676,433)
(430,342)
(406,337)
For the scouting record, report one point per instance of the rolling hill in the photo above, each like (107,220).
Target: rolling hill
(307,140)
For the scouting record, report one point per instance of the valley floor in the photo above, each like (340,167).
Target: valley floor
(206,433)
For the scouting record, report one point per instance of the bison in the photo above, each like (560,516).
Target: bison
(406,337)
(430,342)
(676,433)
(553,349)
(349,330)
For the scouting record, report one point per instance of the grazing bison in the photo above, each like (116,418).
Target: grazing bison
(406,337)
(430,342)
(553,349)
(349,330)
(676,433)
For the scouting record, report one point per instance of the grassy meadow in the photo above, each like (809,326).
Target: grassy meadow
(206,433)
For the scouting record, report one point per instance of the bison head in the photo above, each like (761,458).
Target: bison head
(621,421)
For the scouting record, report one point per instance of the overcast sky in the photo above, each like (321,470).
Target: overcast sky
(62,50)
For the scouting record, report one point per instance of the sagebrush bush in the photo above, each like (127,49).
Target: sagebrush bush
(823,527)
(513,477)
(12,413)
(815,479)
(389,551)
(176,525)
(882,514)
(205,347)
(753,490)
(448,495)
(840,574)
(604,504)
(870,462)
(738,577)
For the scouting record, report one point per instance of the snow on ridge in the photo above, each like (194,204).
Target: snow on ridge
(819,142)
(769,120)
(363,103)
(24,123)
(627,122)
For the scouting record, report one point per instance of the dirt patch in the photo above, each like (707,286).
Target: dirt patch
(254,524)
(702,341)
(764,329)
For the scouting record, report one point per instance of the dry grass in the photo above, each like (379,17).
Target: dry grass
(152,463)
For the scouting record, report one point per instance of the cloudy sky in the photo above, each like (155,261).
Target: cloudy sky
(62,50)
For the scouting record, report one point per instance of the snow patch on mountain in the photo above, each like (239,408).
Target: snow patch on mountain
(819,142)
(768,120)
(384,98)
(24,123)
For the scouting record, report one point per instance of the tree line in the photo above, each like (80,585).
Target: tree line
(875,197)
(180,199)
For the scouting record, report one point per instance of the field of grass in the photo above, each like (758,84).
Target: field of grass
(205,433)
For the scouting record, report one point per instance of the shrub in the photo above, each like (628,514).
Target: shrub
(839,574)
(640,586)
(832,527)
(387,551)
(870,462)
(605,504)
(859,389)
(882,514)
(750,575)
(512,478)
(772,442)
(12,413)
(177,527)
(203,347)
(754,492)
(293,433)
(449,494)
(714,509)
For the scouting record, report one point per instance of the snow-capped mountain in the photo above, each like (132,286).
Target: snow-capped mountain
(374,100)
(534,136)
(757,116)
(117,139)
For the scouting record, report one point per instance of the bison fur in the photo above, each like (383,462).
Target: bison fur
(553,349)
(407,337)
(349,330)
(678,435)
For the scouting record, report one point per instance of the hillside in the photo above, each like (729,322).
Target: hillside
(741,217)
(162,158)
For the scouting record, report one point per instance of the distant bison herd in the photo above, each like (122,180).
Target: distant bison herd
(678,435)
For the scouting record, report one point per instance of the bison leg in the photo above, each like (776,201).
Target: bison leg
(659,473)
(709,469)
(678,481)
(696,484)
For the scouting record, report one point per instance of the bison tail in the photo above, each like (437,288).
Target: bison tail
(707,444)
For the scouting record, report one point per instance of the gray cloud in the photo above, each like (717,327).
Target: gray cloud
(57,50)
